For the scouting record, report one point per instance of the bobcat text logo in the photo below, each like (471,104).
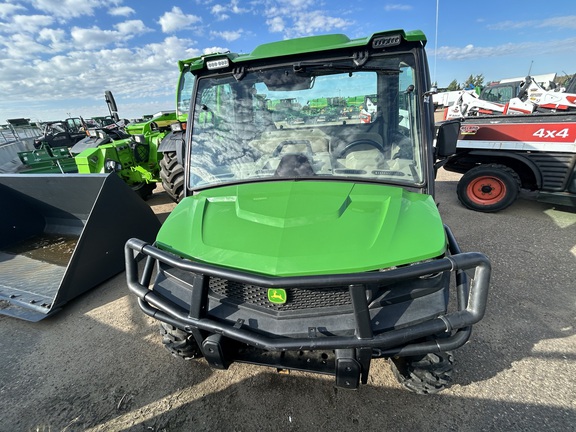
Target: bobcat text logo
(469,130)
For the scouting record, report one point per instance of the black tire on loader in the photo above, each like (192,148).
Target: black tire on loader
(172,175)
(426,374)
(179,343)
(144,190)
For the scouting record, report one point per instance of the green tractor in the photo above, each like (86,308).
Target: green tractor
(311,246)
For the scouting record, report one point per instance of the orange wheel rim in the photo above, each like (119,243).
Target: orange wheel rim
(486,190)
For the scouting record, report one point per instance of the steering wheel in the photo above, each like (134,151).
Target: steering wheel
(361,142)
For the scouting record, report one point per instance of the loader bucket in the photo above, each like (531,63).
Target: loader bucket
(62,235)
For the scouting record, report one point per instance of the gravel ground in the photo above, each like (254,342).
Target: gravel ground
(98,365)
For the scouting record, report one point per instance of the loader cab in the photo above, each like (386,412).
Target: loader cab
(59,134)
(571,85)
(501,93)
(348,115)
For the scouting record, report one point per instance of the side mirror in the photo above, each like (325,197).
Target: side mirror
(447,138)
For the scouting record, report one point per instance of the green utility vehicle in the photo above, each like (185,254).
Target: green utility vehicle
(314,245)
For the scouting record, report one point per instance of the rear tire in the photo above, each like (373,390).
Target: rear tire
(172,175)
(179,343)
(144,190)
(489,188)
(426,374)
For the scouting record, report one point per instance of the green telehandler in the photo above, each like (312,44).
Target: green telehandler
(130,150)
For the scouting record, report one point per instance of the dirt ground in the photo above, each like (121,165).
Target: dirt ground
(98,365)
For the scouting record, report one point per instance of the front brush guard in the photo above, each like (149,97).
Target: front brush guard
(471,302)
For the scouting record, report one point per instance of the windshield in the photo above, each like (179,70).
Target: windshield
(310,120)
(184,93)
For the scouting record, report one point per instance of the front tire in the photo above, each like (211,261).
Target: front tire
(172,175)
(179,343)
(428,374)
(489,188)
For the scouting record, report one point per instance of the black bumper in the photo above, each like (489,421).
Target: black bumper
(280,351)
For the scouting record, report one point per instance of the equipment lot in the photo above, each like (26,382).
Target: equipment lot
(99,365)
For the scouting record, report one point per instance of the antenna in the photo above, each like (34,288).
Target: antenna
(436,41)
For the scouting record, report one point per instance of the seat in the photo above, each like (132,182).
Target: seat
(294,165)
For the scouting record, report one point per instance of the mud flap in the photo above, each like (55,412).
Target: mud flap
(62,235)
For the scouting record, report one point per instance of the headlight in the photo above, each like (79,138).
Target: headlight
(140,139)
(217,64)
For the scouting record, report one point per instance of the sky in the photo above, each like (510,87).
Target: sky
(58,57)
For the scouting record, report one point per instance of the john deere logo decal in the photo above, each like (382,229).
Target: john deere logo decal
(277,295)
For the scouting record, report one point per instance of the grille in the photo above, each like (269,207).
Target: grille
(298,299)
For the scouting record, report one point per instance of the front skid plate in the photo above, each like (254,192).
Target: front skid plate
(342,364)
(323,362)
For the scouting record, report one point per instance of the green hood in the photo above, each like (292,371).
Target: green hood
(288,228)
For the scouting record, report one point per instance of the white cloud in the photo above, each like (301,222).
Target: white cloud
(316,21)
(235,8)
(276,24)
(228,35)
(132,27)
(21,46)
(562,22)
(397,7)
(217,9)
(67,9)
(146,75)
(222,11)
(219,12)
(511,25)
(176,20)
(7,9)
(95,37)
(294,18)
(56,38)
(52,35)
(27,23)
(214,50)
(509,49)
(121,11)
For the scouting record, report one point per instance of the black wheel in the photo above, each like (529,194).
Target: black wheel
(172,175)
(179,343)
(144,190)
(489,188)
(426,374)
